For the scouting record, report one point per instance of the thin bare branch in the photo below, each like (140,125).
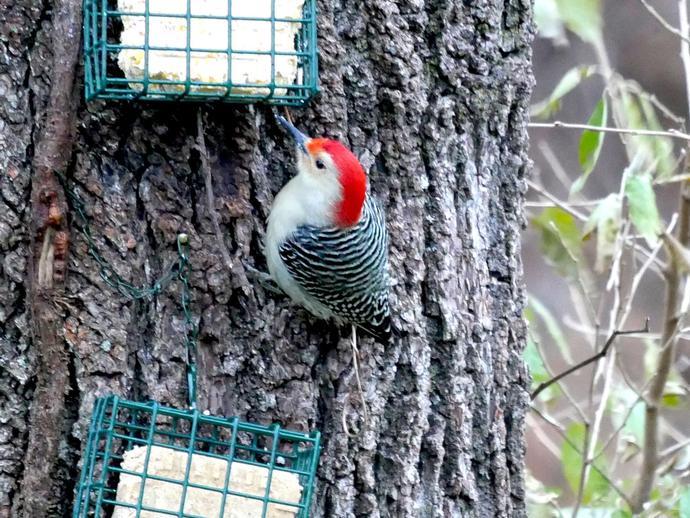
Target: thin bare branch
(670,133)
(564,389)
(558,203)
(664,23)
(589,360)
(672,450)
(624,421)
(584,471)
(546,204)
(554,162)
(639,275)
(634,87)
(685,47)
(672,320)
(606,367)
(543,438)
(559,429)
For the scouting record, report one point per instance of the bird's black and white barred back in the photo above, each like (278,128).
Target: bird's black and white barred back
(345,269)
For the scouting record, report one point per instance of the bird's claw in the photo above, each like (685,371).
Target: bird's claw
(264,279)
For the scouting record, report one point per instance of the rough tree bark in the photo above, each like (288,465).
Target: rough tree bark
(433,97)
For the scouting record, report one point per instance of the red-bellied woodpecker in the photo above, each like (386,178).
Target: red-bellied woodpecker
(326,242)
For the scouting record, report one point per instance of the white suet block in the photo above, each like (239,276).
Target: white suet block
(210,65)
(207,471)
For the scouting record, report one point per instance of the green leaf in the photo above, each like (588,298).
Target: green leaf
(557,227)
(606,220)
(548,20)
(684,503)
(561,243)
(534,362)
(671,400)
(660,149)
(655,152)
(674,394)
(590,143)
(635,423)
(560,240)
(583,17)
(552,104)
(552,327)
(571,460)
(531,354)
(642,202)
(538,371)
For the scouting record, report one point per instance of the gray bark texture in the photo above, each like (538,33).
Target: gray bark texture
(432,96)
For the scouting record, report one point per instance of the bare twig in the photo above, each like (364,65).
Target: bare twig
(679,178)
(583,329)
(664,23)
(635,88)
(574,446)
(606,367)
(600,354)
(615,432)
(671,133)
(584,469)
(639,275)
(666,356)
(583,203)
(672,450)
(554,162)
(558,203)
(650,447)
(564,389)
(685,46)
(543,438)
(355,366)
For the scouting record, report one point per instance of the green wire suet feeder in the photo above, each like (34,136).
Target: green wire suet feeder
(243,51)
(146,460)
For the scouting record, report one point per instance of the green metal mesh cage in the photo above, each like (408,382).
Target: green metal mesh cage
(156,438)
(244,51)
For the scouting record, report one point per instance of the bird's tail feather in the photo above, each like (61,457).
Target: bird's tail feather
(380,330)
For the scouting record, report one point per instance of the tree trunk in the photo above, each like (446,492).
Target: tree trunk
(432,96)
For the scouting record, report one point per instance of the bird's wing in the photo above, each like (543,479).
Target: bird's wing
(344,269)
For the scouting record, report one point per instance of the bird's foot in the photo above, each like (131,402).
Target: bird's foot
(264,279)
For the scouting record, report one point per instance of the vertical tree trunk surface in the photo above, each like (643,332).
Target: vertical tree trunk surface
(433,97)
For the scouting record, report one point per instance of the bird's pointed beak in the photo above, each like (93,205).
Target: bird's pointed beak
(300,138)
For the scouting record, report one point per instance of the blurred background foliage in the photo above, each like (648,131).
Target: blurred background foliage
(605,250)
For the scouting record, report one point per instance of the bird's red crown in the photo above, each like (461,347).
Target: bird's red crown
(352,178)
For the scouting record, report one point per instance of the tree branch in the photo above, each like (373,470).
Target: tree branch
(671,133)
(664,23)
(669,335)
(575,447)
(591,359)
(48,267)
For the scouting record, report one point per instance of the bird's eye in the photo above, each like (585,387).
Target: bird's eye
(320,164)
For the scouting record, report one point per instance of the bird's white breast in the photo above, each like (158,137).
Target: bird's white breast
(307,199)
